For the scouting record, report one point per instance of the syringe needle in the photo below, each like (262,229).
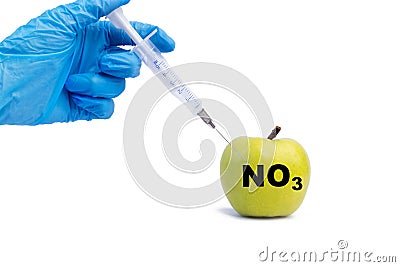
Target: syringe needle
(222,135)
(232,146)
(207,119)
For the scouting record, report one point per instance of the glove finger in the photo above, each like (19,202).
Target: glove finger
(161,39)
(88,108)
(95,85)
(86,12)
(115,36)
(120,63)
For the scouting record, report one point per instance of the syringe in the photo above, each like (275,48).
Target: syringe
(152,57)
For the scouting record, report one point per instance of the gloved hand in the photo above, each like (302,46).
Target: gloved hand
(65,65)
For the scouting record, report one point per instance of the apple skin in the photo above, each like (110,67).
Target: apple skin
(269,200)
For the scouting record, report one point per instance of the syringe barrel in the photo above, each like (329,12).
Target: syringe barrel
(152,57)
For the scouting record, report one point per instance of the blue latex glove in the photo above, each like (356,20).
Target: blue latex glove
(65,65)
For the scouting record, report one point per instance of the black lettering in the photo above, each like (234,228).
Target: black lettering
(285,177)
(248,172)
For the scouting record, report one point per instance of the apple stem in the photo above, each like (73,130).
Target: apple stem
(274,132)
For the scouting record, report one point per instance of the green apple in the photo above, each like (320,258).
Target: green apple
(265,177)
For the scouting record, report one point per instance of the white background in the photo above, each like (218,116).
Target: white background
(329,71)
